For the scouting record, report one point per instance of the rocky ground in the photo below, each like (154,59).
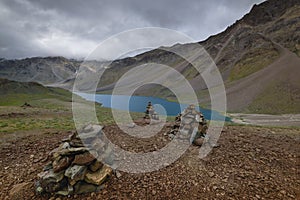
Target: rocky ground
(250,163)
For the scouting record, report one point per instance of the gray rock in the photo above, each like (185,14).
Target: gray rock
(72,150)
(57,177)
(132,125)
(118,174)
(76,143)
(82,187)
(108,156)
(76,172)
(91,132)
(61,163)
(65,145)
(48,166)
(51,182)
(187,120)
(66,191)
(98,144)
(88,128)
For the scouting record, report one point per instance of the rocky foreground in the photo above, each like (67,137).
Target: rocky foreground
(250,163)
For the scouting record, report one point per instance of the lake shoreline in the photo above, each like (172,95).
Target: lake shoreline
(138,104)
(283,120)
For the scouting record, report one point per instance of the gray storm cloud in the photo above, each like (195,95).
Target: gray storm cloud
(73,28)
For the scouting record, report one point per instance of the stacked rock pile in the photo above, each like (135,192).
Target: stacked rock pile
(150,112)
(186,122)
(74,166)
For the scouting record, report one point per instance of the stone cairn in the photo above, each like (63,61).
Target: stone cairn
(74,166)
(150,112)
(187,121)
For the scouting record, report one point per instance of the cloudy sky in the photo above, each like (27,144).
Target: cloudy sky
(73,28)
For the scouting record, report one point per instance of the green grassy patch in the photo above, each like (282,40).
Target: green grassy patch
(277,98)
(9,125)
(251,62)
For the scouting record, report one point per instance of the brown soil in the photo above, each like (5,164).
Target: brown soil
(250,163)
(243,92)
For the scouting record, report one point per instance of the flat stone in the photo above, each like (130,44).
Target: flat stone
(194,112)
(52,182)
(99,176)
(198,142)
(76,143)
(63,192)
(197,118)
(76,172)
(54,152)
(88,128)
(82,187)
(61,163)
(184,132)
(90,132)
(195,124)
(72,150)
(66,191)
(84,159)
(95,166)
(48,166)
(57,177)
(190,116)
(187,127)
(98,144)
(187,120)
(65,145)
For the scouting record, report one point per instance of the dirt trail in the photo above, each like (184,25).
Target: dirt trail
(285,120)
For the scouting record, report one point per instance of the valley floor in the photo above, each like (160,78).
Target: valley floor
(250,163)
(286,120)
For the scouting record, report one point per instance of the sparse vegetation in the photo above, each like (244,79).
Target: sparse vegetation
(252,62)
(277,99)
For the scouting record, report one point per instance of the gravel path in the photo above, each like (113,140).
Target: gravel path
(285,120)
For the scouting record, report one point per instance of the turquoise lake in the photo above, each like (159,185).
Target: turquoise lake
(139,103)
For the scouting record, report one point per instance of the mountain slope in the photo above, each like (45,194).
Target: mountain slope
(258,57)
(14,93)
(266,90)
(41,70)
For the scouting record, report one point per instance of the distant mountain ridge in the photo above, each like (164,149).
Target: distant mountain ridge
(46,70)
(13,93)
(258,57)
